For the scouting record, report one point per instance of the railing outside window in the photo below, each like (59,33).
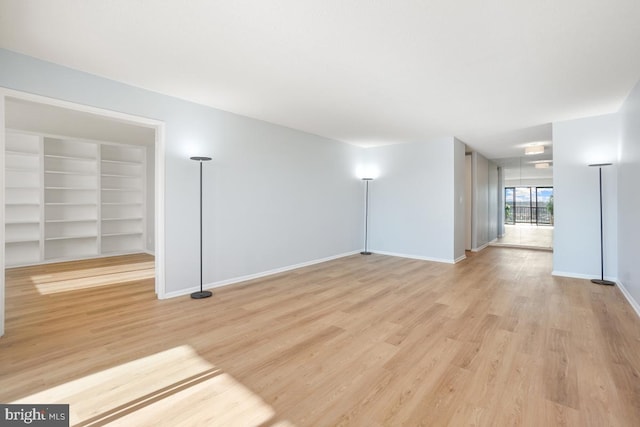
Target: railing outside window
(531,205)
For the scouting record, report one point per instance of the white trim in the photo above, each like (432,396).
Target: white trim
(460,258)
(420,257)
(2,184)
(482,247)
(159,128)
(579,275)
(159,190)
(76,258)
(124,117)
(627,295)
(248,277)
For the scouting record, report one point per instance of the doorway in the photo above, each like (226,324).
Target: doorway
(528,217)
(105,120)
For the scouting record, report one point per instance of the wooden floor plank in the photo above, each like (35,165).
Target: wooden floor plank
(358,341)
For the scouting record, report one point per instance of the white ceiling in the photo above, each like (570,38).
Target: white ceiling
(492,73)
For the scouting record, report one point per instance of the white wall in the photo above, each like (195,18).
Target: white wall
(576,248)
(413,201)
(629,198)
(274,197)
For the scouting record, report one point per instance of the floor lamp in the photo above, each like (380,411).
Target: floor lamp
(366,217)
(601,280)
(201,294)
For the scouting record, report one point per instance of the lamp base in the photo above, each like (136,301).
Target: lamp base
(603,282)
(365,253)
(201,294)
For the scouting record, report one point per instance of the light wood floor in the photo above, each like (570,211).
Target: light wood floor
(529,235)
(362,341)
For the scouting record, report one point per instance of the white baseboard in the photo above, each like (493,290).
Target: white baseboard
(240,279)
(478,249)
(634,304)
(579,275)
(423,258)
(461,258)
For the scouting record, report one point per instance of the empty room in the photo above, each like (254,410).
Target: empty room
(286,213)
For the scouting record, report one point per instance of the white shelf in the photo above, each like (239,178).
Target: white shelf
(55,206)
(123,218)
(69,188)
(22,153)
(70,204)
(122,203)
(122,162)
(28,221)
(84,159)
(72,220)
(88,236)
(18,169)
(124,233)
(113,175)
(14,241)
(59,172)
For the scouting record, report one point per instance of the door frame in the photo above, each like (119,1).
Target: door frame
(159,172)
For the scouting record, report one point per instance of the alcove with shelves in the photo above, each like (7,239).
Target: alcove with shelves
(69,198)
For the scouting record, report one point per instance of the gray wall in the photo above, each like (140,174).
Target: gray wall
(629,198)
(414,201)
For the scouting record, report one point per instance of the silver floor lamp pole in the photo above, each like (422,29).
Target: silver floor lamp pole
(366,217)
(601,280)
(201,294)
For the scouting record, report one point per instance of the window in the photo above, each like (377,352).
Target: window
(529,205)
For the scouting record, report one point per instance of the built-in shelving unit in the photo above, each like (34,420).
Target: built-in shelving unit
(123,196)
(71,199)
(23,198)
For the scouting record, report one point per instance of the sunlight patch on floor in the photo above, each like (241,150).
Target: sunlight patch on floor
(47,284)
(141,392)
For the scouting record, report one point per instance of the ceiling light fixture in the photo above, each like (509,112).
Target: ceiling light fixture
(533,149)
(542,165)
